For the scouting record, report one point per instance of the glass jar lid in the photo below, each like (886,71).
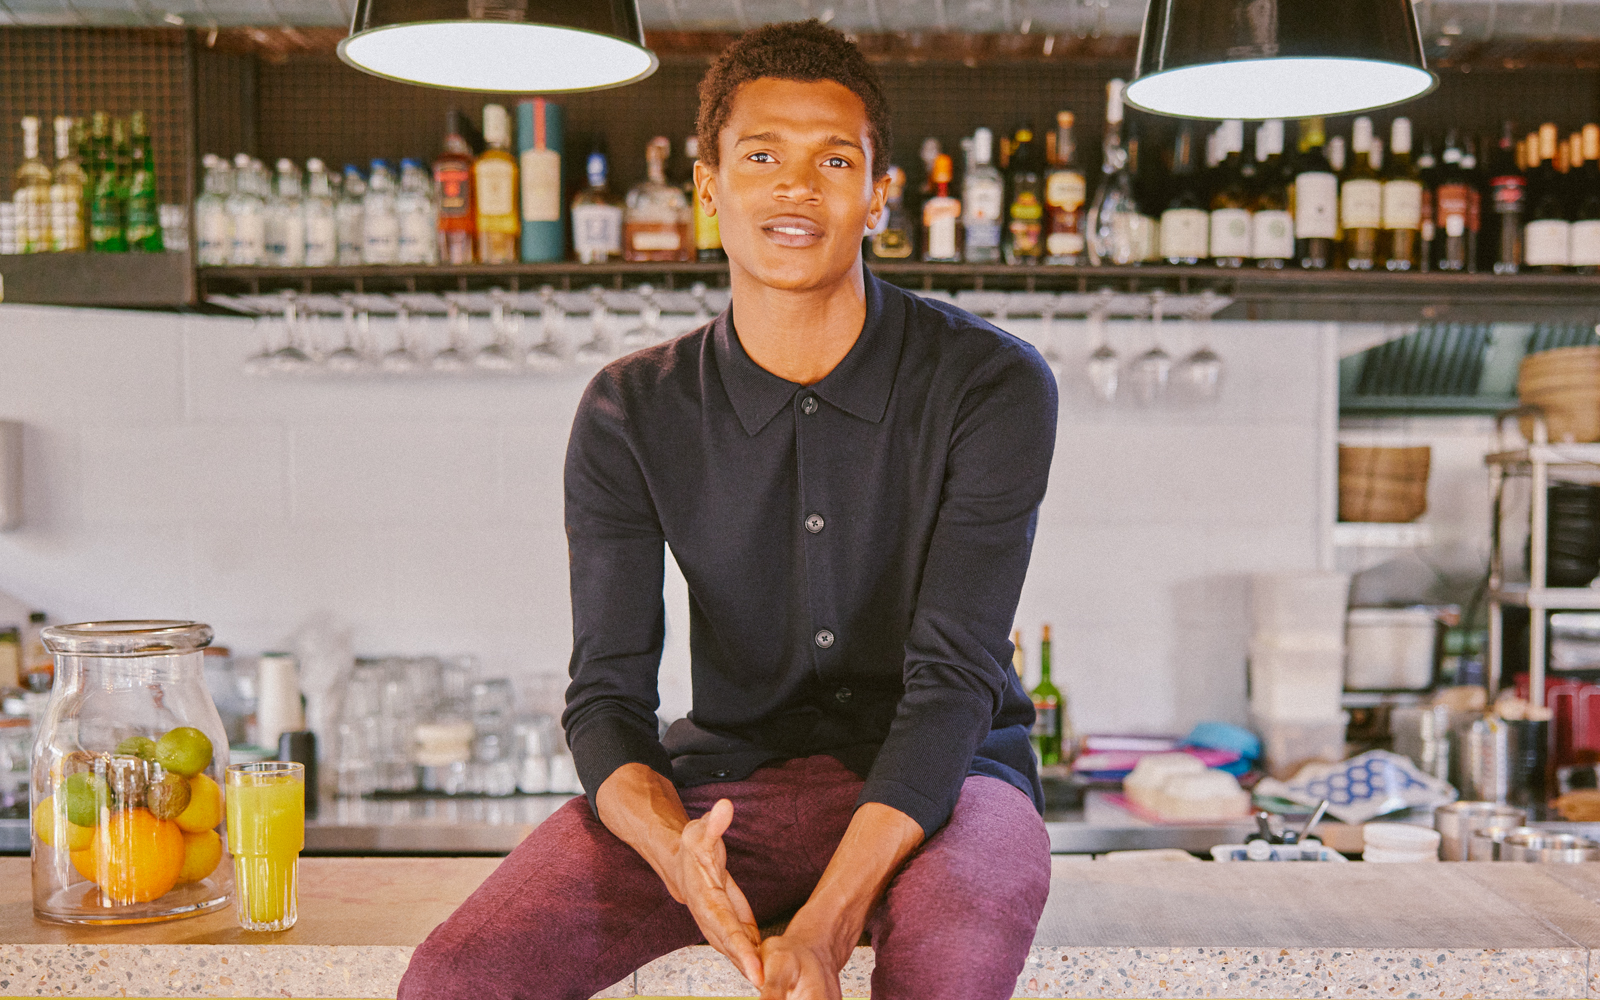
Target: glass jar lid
(130,638)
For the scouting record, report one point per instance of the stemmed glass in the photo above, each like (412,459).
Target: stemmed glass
(453,357)
(349,357)
(499,354)
(1151,370)
(649,330)
(401,359)
(702,309)
(290,358)
(1104,369)
(550,353)
(600,347)
(1201,372)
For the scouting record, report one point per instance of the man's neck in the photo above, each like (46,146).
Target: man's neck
(799,335)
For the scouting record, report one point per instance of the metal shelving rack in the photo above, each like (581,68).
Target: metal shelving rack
(1534,461)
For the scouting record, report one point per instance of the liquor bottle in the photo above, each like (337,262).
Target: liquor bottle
(540,145)
(419,223)
(1316,200)
(1185,224)
(1065,194)
(705,227)
(1019,658)
(494,182)
(1046,734)
(452,193)
(1547,237)
(982,201)
(1144,229)
(321,224)
(1024,237)
(1428,169)
(144,201)
(108,200)
(349,217)
(892,241)
(286,219)
(596,217)
(246,209)
(1401,248)
(380,226)
(1271,225)
(1585,253)
(212,228)
(67,183)
(1361,201)
(657,222)
(32,193)
(928,152)
(1452,204)
(1231,224)
(1108,226)
(1475,189)
(941,216)
(1508,196)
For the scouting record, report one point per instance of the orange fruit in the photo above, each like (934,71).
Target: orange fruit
(204,810)
(134,857)
(202,852)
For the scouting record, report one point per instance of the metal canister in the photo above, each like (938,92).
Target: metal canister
(1549,847)
(1457,820)
(1484,844)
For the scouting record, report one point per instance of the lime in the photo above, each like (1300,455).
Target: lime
(169,797)
(185,750)
(138,746)
(85,794)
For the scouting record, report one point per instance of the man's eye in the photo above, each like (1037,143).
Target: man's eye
(837,161)
(762,158)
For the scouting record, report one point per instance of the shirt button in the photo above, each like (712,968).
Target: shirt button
(808,406)
(814,523)
(824,638)
(719,774)
(842,695)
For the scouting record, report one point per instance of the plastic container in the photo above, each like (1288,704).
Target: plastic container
(1296,684)
(1289,744)
(1391,649)
(1300,604)
(1401,838)
(127,777)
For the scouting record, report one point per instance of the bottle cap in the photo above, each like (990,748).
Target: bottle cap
(1114,101)
(315,165)
(1400,135)
(1361,135)
(943,169)
(378,165)
(982,146)
(691,147)
(596,168)
(930,151)
(496,125)
(409,164)
(1064,119)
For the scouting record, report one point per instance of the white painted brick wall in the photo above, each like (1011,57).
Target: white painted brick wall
(425,516)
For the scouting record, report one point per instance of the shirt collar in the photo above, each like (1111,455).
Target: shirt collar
(859,384)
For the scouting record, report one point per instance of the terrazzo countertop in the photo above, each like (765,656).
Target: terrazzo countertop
(1111,929)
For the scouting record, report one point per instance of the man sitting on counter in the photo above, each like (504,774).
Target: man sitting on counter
(849,477)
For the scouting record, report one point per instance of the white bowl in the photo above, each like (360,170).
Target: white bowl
(1398,857)
(1401,837)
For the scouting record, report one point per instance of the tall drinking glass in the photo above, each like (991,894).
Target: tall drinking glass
(266,832)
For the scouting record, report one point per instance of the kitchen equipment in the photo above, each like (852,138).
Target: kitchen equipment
(1484,844)
(1565,384)
(1383,484)
(279,708)
(1508,761)
(1456,822)
(1399,842)
(1391,649)
(1572,540)
(1361,788)
(1422,734)
(1548,847)
(1299,684)
(127,765)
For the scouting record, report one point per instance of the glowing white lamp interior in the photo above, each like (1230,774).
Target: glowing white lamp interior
(499,56)
(1260,89)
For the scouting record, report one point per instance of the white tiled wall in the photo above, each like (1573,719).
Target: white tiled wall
(425,515)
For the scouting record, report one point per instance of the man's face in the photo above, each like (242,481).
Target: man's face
(793,192)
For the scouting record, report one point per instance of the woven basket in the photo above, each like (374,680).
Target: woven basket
(1383,484)
(1565,384)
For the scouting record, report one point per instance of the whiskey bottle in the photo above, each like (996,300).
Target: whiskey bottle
(1024,237)
(67,183)
(494,181)
(657,221)
(452,193)
(596,217)
(1508,197)
(539,150)
(1065,197)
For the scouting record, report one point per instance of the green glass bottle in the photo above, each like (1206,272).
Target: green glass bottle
(144,213)
(108,203)
(1046,733)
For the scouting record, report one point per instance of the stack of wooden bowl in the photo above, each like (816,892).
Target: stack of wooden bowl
(1383,484)
(1565,384)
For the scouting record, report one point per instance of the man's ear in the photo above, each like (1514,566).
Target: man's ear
(880,200)
(705,187)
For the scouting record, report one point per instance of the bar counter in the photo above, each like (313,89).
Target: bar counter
(1111,929)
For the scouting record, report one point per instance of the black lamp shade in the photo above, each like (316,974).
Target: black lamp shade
(501,46)
(1260,59)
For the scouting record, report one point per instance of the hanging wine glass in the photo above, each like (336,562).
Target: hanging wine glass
(702,309)
(600,347)
(1151,370)
(401,359)
(499,354)
(648,331)
(260,363)
(1104,368)
(452,358)
(291,359)
(550,353)
(1201,372)
(348,357)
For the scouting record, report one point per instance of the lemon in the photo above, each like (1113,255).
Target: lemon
(85,794)
(138,746)
(44,824)
(202,852)
(204,810)
(185,750)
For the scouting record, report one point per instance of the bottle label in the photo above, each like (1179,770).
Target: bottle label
(1185,233)
(1063,244)
(891,244)
(657,240)
(939,217)
(1586,243)
(453,182)
(1547,243)
(380,238)
(1046,718)
(496,188)
(1316,206)
(1453,205)
(416,237)
(1273,235)
(1474,211)
(1065,189)
(213,231)
(249,238)
(1509,193)
(596,232)
(982,234)
(541,185)
(1402,205)
(985,202)
(1143,235)
(1361,204)
(322,243)
(1230,232)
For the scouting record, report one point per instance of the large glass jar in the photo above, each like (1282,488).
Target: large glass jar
(127,777)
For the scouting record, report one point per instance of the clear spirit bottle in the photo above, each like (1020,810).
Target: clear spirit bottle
(285,221)
(418,220)
(247,214)
(983,201)
(596,217)
(349,217)
(321,225)
(212,228)
(656,218)
(380,226)
(1110,227)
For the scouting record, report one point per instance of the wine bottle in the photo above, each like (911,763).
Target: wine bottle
(1272,227)
(1585,253)
(1361,201)
(1508,192)
(1475,188)
(1185,224)
(1316,200)
(1402,203)
(1046,734)
(1548,234)
(1452,201)
(1230,202)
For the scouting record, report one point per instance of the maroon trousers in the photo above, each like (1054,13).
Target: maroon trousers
(573,909)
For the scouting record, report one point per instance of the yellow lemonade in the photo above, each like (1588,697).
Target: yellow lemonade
(266,832)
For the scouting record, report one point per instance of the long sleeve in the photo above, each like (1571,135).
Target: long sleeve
(615,548)
(958,652)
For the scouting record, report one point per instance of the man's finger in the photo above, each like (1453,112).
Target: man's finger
(717,820)
(741,908)
(741,950)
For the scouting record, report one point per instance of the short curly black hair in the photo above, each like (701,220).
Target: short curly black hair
(792,50)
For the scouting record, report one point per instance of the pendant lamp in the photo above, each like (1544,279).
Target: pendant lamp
(501,46)
(1262,59)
